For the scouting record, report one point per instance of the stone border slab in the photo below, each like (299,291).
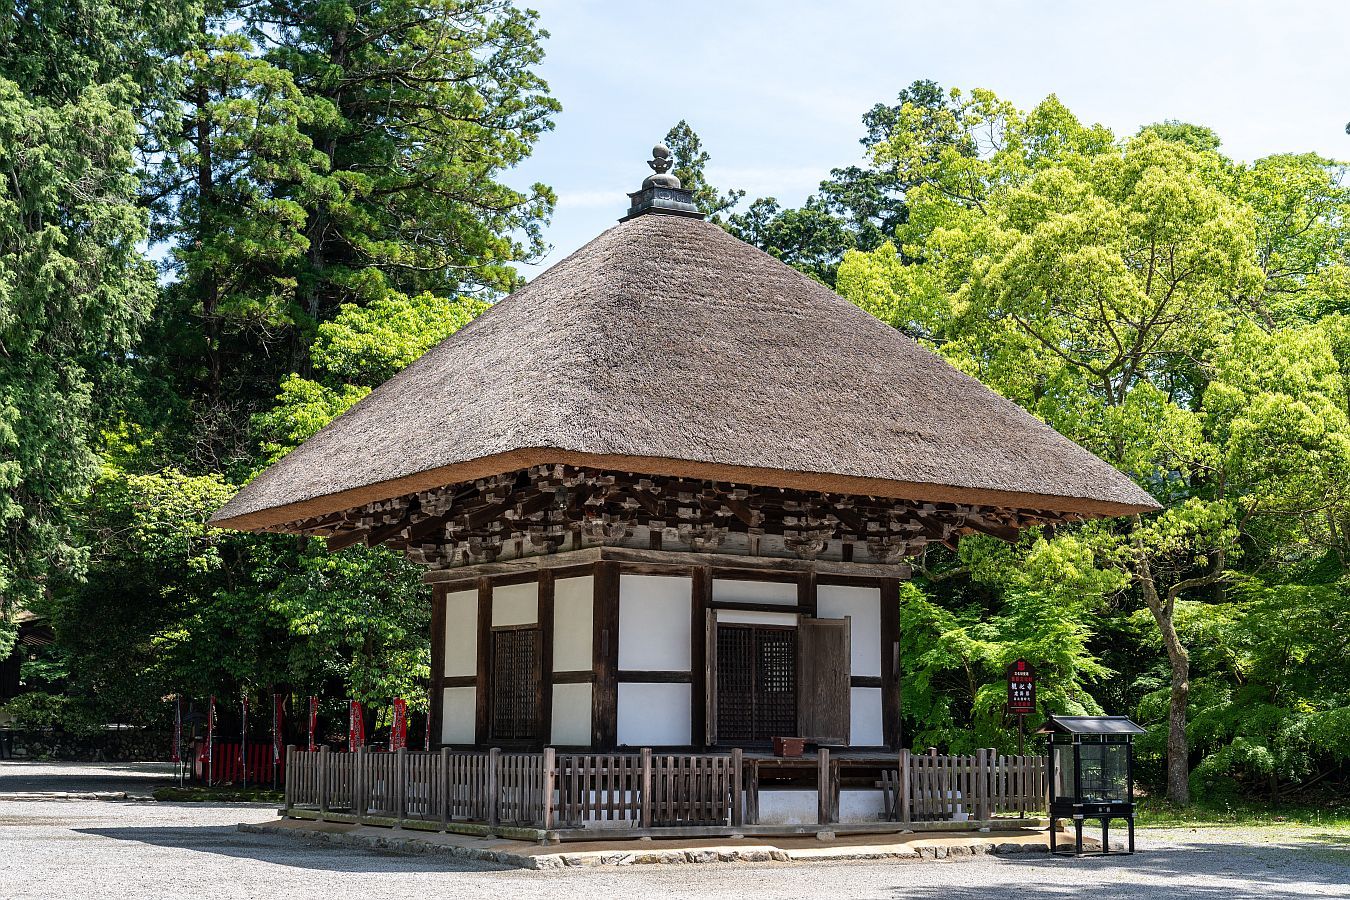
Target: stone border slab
(517,854)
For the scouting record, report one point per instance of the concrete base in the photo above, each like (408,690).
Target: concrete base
(524,855)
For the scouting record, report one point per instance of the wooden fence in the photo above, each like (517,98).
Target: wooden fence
(933,787)
(533,790)
(643,790)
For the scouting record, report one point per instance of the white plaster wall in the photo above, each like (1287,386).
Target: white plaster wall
(733,590)
(653,714)
(571,715)
(654,623)
(865,717)
(863,606)
(802,807)
(573,627)
(745,617)
(515,604)
(461,633)
(458,715)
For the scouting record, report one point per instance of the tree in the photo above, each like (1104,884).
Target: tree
(857,207)
(690,161)
(330,154)
(74,290)
(1101,284)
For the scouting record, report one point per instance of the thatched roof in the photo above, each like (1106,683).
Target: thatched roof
(666,346)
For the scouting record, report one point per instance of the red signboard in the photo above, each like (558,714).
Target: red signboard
(398,732)
(177,729)
(278,725)
(356,726)
(1021,688)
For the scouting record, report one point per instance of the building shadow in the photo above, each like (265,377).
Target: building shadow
(1190,871)
(226,841)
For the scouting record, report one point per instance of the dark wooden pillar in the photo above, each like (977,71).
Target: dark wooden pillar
(605,650)
(437,693)
(483,692)
(807,595)
(890,663)
(544,685)
(698,657)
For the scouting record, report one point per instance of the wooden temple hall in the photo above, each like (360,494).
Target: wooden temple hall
(664,495)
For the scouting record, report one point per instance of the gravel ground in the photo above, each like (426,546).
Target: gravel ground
(82,850)
(135,778)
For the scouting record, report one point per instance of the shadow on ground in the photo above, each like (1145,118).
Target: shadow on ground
(1192,871)
(225,840)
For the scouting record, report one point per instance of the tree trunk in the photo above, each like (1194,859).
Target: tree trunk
(1178,750)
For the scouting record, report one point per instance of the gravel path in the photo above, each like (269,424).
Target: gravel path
(82,850)
(135,778)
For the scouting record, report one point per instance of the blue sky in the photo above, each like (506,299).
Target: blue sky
(776,90)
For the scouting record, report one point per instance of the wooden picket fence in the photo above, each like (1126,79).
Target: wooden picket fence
(568,792)
(929,786)
(532,790)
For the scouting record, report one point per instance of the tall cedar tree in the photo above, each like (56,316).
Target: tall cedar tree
(74,288)
(332,153)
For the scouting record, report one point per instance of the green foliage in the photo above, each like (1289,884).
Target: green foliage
(1177,313)
(690,161)
(73,293)
(326,182)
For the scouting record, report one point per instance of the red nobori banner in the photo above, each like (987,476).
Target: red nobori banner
(356,725)
(177,730)
(278,721)
(1021,688)
(398,731)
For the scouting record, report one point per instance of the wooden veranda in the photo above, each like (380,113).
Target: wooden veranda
(550,795)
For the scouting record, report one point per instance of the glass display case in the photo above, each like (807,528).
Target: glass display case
(1091,774)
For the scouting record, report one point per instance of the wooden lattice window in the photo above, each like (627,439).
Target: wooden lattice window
(515,681)
(756,683)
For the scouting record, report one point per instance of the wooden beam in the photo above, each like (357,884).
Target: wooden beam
(437,697)
(605,651)
(891,710)
(700,597)
(544,688)
(344,539)
(483,693)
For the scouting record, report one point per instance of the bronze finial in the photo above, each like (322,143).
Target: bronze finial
(661,192)
(661,161)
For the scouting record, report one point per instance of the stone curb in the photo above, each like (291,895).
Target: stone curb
(73,795)
(593,858)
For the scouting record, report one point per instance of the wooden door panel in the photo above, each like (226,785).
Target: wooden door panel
(823,702)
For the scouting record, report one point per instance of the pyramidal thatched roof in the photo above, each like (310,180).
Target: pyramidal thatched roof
(666,346)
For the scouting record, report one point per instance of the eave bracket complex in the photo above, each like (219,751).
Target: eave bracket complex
(545,509)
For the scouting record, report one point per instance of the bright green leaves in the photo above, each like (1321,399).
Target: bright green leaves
(1177,314)
(74,292)
(360,349)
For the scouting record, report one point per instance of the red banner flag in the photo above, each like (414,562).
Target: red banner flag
(278,719)
(356,725)
(243,739)
(313,721)
(426,744)
(398,731)
(211,741)
(177,730)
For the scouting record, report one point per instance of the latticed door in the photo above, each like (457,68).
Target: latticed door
(515,681)
(756,683)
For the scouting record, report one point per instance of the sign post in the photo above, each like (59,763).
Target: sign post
(211,741)
(398,730)
(278,716)
(1021,698)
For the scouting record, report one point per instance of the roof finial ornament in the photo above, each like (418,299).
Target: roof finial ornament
(661,191)
(661,162)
